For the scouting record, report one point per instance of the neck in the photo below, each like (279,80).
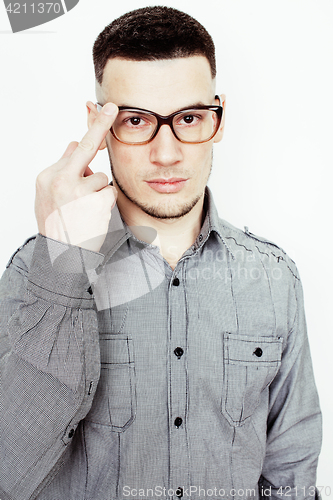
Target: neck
(174,236)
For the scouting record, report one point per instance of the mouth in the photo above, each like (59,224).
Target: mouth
(172,185)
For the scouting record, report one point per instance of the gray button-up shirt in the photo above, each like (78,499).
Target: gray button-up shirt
(122,378)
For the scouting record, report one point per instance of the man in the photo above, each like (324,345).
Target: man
(158,351)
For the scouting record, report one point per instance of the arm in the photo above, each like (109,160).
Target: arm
(49,345)
(49,365)
(294,423)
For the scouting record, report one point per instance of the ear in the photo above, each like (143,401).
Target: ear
(92,113)
(219,134)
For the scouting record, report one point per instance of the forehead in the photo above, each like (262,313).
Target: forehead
(162,86)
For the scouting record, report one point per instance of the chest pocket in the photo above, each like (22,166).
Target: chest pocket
(114,403)
(250,365)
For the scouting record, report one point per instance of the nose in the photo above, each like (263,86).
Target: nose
(165,148)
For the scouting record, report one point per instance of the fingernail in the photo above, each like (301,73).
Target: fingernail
(109,109)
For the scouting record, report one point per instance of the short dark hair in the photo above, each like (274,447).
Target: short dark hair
(152,33)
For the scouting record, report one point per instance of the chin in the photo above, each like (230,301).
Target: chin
(169,210)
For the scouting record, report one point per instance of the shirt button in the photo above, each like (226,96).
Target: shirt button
(71,433)
(179,492)
(178,422)
(175,282)
(258,352)
(200,237)
(178,352)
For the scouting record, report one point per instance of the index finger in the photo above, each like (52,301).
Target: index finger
(90,143)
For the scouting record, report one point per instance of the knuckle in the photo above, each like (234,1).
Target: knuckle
(40,179)
(108,194)
(57,183)
(86,144)
(79,191)
(103,178)
(44,179)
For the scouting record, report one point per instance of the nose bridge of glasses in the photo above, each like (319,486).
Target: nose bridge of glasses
(164,120)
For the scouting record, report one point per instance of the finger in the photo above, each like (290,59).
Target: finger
(110,193)
(70,149)
(115,194)
(94,182)
(89,145)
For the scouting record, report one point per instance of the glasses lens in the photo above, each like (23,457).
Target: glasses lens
(195,125)
(134,126)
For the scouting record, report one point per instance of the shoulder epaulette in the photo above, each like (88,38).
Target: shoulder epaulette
(19,249)
(276,251)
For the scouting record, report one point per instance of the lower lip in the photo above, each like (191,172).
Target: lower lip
(167,187)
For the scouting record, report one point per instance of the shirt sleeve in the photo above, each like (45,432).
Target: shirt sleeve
(294,422)
(49,360)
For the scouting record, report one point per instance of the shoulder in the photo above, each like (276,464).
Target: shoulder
(241,243)
(21,258)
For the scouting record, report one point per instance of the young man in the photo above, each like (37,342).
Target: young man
(155,350)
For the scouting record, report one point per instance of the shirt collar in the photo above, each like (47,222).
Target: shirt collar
(117,234)
(212,222)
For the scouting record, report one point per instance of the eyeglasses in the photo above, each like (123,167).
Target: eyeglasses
(193,125)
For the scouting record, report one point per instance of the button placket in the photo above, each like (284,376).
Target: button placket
(69,433)
(175,282)
(177,381)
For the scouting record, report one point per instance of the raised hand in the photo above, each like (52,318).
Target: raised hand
(73,204)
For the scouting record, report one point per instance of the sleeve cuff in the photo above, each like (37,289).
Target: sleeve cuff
(61,270)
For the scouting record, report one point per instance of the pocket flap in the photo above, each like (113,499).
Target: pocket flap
(116,349)
(246,349)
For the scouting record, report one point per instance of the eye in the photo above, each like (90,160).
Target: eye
(134,121)
(188,119)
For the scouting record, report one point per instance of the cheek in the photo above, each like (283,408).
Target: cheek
(202,159)
(125,159)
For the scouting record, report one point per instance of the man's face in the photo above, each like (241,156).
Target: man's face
(140,171)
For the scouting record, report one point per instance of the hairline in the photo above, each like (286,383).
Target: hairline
(99,86)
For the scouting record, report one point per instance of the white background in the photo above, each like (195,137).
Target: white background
(273,169)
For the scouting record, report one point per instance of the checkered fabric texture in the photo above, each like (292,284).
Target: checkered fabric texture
(122,378)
